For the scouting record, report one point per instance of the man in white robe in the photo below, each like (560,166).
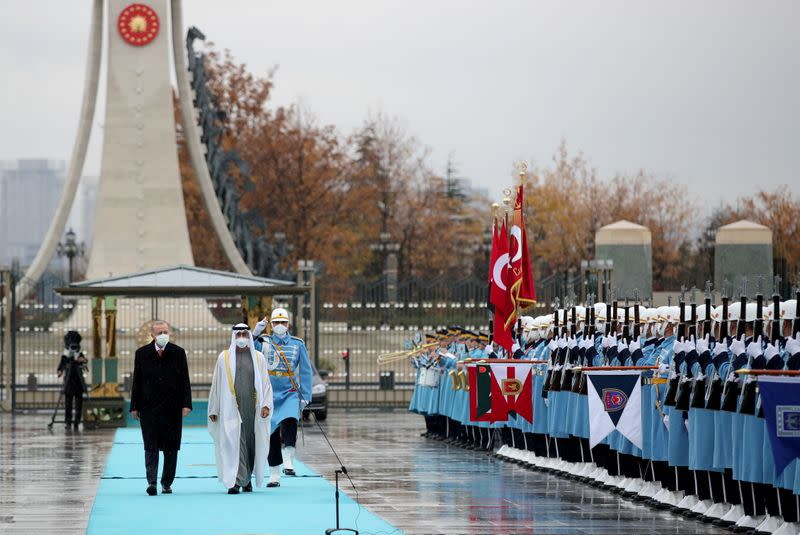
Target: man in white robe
(239,412)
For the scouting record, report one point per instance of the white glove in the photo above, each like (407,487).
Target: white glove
(572,343)
(489,349)
(686,423)
(514,347)
(562,343)
(663,369)
(587,343)
(720,348)
(260,327)
(666,420)
(701,345)
(678,347)
(771,351)
(754,348)
(621,345)
(793,346)
(737,347)
(634,345)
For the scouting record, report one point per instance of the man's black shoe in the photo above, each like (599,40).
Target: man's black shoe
(248,488)
(151,490)
(273,484)
(166,490)
(289,472)
(233,490)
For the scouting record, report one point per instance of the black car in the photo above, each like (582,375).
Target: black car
(319,396)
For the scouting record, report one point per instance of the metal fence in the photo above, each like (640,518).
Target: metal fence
(38,322)
(365,325)
(361,323)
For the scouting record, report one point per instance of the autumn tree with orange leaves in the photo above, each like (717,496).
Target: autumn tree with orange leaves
(333,195)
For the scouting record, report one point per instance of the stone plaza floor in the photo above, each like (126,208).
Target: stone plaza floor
(49,480)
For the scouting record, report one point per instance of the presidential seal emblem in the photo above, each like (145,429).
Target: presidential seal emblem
(138,24)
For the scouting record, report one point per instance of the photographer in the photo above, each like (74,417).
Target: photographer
(71,368)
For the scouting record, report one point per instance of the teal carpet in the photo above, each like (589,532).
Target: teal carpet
(199,503)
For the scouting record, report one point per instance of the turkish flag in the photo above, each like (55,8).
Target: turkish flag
(499,296)
(520,278)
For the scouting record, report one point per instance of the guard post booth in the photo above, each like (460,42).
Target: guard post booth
(199,304)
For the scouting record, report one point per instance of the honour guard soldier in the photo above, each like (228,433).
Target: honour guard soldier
(290,375)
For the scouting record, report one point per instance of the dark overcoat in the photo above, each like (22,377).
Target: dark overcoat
(159,391)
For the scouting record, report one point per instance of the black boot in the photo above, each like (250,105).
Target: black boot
(234,490)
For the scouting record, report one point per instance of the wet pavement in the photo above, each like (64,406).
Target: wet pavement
(425,486)
(49,481)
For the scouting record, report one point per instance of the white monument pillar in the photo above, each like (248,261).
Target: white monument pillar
(140,221)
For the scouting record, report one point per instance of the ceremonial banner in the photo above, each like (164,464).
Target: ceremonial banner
(615,402)
(497,388)
(499,295)
(520,279)
(780,398)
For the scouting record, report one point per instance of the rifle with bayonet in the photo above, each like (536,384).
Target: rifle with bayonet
(776,334)
(701,382)
(686,385)
(714,395)
(591,332)
(730,394)
(749,394)
(552,358)
(674,376)
(561,355)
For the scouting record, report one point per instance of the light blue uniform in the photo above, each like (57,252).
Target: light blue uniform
(285,398)
(701,424)
(656,436)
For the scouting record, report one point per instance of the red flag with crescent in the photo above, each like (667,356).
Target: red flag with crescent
(499,295)
(520,278)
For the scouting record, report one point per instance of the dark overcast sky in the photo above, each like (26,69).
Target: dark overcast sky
(704,93)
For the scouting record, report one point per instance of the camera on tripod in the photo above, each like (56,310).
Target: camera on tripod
(71,368)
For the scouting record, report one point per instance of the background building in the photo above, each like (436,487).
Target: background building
(29,193)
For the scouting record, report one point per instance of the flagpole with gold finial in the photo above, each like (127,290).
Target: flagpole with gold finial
(523,171)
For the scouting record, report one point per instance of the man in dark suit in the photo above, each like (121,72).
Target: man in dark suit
(160,396)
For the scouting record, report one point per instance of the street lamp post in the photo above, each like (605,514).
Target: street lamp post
(71,249)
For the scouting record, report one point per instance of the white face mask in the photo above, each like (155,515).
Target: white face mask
(242,343)
(280,330)
(162,340)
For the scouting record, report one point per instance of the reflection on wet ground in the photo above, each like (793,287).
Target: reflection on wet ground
(49,481)
(425,486)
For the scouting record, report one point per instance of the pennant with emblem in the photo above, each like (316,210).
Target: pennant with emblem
(498,388)
(615,403)
(780,399)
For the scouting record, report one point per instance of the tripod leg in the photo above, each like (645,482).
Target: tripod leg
(55,411)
